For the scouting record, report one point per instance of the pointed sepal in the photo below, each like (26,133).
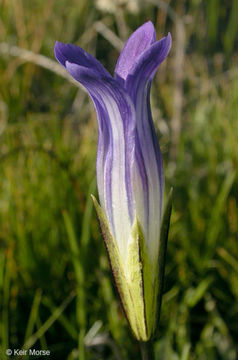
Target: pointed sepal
(164,232)
(139,287)
(128,274)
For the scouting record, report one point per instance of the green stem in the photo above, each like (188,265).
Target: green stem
(147,351)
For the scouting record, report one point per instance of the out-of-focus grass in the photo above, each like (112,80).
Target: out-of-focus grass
(56,289)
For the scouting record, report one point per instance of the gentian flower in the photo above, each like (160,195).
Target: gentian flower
(129,170)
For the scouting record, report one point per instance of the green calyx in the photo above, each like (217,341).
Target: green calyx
(136,278)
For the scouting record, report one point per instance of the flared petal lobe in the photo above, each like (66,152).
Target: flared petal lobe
(137,43)
(145,66)
(76,55)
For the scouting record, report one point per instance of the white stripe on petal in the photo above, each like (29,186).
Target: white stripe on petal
(119,197)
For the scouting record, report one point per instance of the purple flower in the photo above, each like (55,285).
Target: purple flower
(129,163)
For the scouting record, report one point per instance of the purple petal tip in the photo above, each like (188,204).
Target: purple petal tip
(137,44)
(58,53)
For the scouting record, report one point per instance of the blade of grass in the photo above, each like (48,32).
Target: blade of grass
(80,278)
(33,315)
(193,296)
(5,311)
(85,236)
(214,225)
(2,262)
(78,256)
(42,339)
(186,352)
(49,322)
(228,258)
(231,31)
(68,326)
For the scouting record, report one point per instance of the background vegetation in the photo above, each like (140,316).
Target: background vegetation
(56,290)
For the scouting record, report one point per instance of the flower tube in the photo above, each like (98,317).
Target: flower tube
(129,170)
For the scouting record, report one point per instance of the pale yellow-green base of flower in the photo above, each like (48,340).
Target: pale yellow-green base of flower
(136,278)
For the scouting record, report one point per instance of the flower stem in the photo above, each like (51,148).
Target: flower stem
(147,351)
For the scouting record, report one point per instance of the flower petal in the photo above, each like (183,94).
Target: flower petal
(145,66)
(75,54)
(137,84)
(137,43)
(116,142)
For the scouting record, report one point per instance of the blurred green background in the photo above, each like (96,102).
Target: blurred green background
(56,290)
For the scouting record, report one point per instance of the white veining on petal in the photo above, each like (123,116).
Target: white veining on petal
(121,226)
